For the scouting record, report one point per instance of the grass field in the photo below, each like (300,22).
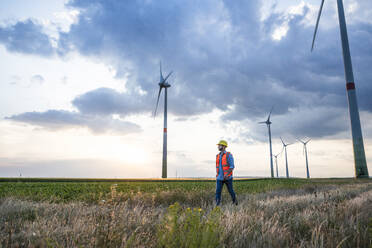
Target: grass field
(181,213)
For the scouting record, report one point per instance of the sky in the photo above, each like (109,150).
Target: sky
(79,83)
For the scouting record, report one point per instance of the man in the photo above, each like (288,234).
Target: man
(224,168)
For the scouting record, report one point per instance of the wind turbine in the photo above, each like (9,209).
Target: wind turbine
(163,84)
(276,162)
(305,152)
(268,123)
(286,160)
(360,163)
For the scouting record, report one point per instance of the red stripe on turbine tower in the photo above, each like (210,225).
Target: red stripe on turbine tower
(350,86)
(165,130)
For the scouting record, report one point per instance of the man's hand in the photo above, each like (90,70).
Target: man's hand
(225,177)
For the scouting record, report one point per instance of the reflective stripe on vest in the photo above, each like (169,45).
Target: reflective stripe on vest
(224,163)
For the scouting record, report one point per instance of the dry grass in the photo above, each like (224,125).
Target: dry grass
(328,217)
(315,216)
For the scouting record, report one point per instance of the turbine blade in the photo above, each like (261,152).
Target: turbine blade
(268,119)
(277,155)
(282,141)
(157,102)
(161,74)
(307,141)
(261,122)
(317,24)
(168,76)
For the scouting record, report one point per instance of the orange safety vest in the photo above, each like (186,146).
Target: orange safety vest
(225,165)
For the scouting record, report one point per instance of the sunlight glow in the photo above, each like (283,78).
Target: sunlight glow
(280,32)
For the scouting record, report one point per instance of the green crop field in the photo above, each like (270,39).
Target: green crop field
(62,212)
(94,190)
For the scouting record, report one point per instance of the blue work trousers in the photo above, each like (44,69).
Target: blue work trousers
(219,185)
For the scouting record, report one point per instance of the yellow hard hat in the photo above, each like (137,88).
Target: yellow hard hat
(222,142)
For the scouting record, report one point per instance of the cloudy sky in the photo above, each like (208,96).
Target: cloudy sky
(78,86)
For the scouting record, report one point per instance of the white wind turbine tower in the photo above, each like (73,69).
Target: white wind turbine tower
(360,163)
(268,123)
(305,152)
(163,84)
(286,160)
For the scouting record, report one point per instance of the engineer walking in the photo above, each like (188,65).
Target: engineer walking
(224,168)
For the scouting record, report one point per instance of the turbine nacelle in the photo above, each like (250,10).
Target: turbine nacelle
(304,142)
(164,85)
(163,81)
(267,122)
(284,144)
(279,153)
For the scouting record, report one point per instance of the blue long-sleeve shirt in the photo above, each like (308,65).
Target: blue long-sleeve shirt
(230,162)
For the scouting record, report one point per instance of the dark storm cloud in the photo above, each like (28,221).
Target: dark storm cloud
(106,101)
(303,122)
(61,119)
(224,57)
(221,52)
(26,37)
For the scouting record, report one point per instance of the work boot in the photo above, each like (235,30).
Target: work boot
(235,202)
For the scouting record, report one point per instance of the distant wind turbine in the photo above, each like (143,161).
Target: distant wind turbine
(286,160)
(305,153)
(268,123)
(360,163)
(276,162)
(163,84)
